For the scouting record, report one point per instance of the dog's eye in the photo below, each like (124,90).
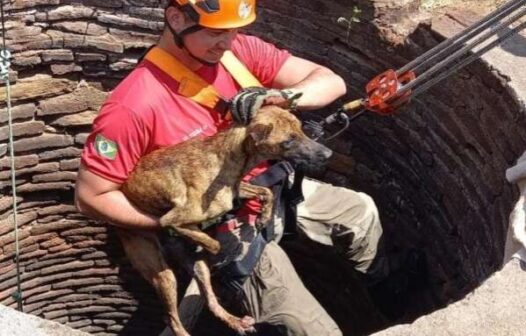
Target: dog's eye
(287,144)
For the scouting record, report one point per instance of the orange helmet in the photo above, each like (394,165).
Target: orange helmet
(219,14)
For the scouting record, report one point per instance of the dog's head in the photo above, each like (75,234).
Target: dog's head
(276,134)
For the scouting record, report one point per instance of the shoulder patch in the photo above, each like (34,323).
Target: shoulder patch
(105,147)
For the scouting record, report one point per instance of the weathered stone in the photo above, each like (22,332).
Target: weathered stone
(10,237)
(27,58)
(85,231)
(72,164)
(43,141)
(3,150)
(66,13)
(6,202)
(23,111)
(37,42)
(22,243)
(56,209)
(90,57)
(53,177)
(77,283)
(8,225)
(145,12)
(71,266)
(20,161)
(21,4)
(132,39)
(77,119)
(104,3)
(60,153)
(27,128)
(123,65)
(23,31)
(49,294)
(38,86)
(81,138)
(53,227)
(57,55)
(30,187)
(83,98)
(41,168)
(127,21)
(61,69)
(80,27)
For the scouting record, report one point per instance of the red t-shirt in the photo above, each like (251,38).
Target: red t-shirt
(144,112)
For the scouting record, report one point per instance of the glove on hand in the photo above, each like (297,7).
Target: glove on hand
(248,101)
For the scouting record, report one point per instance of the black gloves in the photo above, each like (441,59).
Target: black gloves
(247,102)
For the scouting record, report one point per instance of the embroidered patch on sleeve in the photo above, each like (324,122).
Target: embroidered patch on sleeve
(105,147)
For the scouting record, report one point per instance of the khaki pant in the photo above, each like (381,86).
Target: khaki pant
(343,218)
(275,295)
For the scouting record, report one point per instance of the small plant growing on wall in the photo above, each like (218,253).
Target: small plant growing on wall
(348,22)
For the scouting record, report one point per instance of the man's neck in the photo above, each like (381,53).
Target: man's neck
(179,53)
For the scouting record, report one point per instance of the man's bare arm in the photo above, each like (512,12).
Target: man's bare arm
(320,85)
(101,199)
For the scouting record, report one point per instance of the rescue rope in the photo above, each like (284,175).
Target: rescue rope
(5,63)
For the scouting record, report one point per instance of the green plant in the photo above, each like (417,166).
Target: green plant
(348,22)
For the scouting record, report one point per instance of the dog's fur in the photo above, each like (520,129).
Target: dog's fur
(196,181)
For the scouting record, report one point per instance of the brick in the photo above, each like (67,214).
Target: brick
(60,153)
(25,129)
(38,87)
(49,294)
(23,111)
(72,164)
(90,57)
(71,266)
(62,69)
(87,231)
(59,248)
(30,187)
(75,120)
(20,161)
(51,242)
(41,168)
(52,177)
(56,209)
(43,141)
(79,27)
(57,226)
(83,98)
(66,13)
(81,138)
(54,55)
(71,283)
(7,224)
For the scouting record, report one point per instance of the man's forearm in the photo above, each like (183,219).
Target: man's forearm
(319,89)
(115,208)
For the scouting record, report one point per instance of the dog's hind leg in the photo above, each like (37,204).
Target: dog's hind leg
(247,190)
(202,274)
(172,219)
(144,252)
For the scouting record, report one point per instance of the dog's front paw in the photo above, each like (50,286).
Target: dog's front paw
(243,326)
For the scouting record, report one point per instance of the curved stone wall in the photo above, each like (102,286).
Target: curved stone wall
(436,169)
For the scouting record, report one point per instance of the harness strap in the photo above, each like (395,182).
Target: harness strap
(196,88)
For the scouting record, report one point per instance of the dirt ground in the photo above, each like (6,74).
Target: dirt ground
(477,6)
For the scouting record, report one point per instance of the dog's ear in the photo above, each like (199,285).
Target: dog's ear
(260,132)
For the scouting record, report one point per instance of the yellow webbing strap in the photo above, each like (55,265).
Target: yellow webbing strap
(193,86)
(238,70)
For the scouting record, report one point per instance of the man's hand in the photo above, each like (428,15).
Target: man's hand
(248,101)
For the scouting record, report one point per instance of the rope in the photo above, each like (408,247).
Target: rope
(5,63)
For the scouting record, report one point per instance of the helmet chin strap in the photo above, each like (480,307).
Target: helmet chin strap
(179,41)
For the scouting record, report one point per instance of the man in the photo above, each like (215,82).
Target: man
(147,111)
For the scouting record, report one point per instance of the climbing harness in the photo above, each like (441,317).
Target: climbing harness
(5,63)
(391,89)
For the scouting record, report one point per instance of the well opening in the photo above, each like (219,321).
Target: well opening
(435,169)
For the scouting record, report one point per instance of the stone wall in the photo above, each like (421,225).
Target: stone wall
(435,169)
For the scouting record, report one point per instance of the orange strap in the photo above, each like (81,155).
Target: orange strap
(193,86)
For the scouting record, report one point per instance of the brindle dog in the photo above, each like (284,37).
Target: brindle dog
(196,181)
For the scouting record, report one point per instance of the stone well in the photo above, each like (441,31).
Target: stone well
(435,169)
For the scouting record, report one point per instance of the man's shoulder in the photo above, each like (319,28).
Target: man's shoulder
(141,88)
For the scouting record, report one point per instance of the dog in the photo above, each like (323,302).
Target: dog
(196,181)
